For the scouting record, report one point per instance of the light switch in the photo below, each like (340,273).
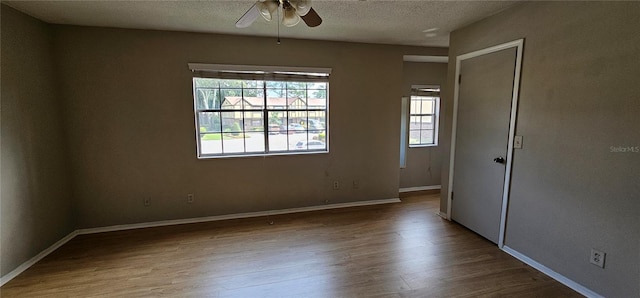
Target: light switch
(517,142)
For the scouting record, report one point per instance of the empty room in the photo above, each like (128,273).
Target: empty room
(295,148)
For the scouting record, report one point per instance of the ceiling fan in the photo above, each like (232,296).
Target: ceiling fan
(292,12)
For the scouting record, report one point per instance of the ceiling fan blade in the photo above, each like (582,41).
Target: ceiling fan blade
(248,17)
(312,19)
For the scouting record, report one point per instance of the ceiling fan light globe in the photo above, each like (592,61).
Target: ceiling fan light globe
(272,5)
(290,18)
(264,10)
(302,7)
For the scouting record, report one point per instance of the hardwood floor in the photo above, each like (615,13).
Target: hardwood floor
(393,250)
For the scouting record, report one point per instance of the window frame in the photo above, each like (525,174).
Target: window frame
(264,74)
(418,91)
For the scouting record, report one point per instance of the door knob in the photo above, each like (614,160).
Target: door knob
(499,160)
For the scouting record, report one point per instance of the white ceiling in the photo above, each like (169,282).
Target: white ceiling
(386,22)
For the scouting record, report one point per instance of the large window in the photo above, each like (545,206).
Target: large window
(423,116)
(260,116)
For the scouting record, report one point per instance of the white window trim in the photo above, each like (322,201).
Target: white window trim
(404,133)
(322,75)
(436,125)
(257,68)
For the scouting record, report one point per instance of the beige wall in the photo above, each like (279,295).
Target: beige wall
(423,163)
(130,122)
(111,111)
(578,97)
(36,207)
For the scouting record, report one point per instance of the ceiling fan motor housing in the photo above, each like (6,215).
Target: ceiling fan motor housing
(292,12)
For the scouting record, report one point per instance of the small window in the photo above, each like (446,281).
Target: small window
(423,116)
(251,115)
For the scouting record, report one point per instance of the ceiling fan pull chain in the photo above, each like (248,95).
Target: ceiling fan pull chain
(278,21)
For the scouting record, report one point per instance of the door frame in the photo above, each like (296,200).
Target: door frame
(519,45)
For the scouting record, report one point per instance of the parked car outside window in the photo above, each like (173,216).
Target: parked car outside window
(311,145)
(295,128)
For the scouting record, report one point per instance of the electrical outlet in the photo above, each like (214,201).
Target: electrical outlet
(356,184)
(146,201)
(597,258)
(190,198)
(336,185)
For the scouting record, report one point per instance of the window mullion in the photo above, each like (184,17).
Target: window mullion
(243,132)
(218,101)
(286,107)
(265,117)
(306,102)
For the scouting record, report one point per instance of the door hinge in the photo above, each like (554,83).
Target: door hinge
(452,195)
(459,79)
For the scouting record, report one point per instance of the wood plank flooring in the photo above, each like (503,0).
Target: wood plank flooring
(393,250)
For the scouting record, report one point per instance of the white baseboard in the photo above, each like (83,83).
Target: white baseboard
(420,188)
(443,215)
(24,266)
(555,275)
(233,216)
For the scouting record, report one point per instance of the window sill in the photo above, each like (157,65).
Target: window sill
(422,146)
(263,155)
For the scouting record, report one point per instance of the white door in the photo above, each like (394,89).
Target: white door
(482,132)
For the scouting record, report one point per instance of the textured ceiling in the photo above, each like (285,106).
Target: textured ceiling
(387,22)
